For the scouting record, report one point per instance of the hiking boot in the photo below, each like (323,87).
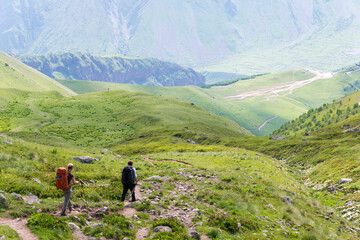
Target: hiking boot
(63,214)
(70,208)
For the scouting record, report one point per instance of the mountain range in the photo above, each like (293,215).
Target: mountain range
(223,35)
(118,69)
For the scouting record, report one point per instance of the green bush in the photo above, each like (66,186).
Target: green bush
(145,205)
(47,221)
(171,236)
(9,233)
(82,219)
(213,234)
(144,216)
(49,227)
(117,221)
(115,227)
(309,236)
(225,222)
(175,224)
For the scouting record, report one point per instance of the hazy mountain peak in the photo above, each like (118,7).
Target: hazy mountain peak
(241,36)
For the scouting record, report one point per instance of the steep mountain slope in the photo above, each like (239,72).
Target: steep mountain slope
(119,69)
(14,74)
(226,34)
(260,104)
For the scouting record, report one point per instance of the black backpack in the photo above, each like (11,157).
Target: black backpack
(127,175)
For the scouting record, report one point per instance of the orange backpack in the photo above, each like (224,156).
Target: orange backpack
(62,179)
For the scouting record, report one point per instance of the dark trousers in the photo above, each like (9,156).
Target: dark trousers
(127,187)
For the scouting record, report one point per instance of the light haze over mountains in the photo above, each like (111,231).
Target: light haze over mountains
(244,36)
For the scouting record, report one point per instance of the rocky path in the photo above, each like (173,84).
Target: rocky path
(79,235)
(129,210)
(185,211)
(19,225)
(142,233)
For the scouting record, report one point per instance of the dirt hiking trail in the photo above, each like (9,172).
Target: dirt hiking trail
(129,210)
(19,225)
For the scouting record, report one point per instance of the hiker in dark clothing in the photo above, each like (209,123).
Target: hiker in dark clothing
(67,192)
(129,181)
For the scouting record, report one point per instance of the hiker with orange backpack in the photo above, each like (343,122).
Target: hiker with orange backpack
(64,180)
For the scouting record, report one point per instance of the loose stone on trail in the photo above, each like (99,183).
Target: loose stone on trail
(162,229)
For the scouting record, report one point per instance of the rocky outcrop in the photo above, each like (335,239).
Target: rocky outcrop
(2,199)
(277,138)
(162,229)
(85,159)
(116,69)
(345,180)
(286,199)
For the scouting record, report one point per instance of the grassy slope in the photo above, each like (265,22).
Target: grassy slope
(251,187)
(323,116)
(47,130)
(328,153)
(14,74)
(249,113)
(109,117)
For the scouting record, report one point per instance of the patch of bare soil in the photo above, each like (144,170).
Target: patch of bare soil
(19,225)
(79,235)
(142,233)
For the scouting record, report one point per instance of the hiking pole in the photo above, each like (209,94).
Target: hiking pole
(83,194)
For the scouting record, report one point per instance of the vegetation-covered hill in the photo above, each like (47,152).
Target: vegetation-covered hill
(221,192)
(110,118)
(327,115)
(322,147)
(118,69)
(15,74)
(260,104)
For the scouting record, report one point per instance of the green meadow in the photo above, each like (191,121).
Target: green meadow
(250,112)
(214,177)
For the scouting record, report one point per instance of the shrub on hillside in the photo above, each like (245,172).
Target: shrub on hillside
(225,222)
(171,236)
(49,227)
(115,227)
(233,224)
(175,224)
(143,206)
(8,233)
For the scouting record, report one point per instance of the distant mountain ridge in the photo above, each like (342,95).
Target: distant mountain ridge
(117,69)
(244,37)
